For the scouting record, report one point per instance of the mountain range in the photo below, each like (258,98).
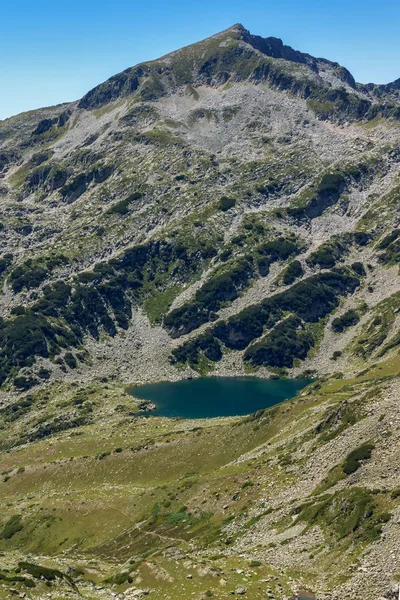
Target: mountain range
(231,208)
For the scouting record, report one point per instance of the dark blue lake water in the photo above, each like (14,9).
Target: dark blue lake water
(217,396)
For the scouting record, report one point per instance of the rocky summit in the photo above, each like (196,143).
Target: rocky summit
(232,208)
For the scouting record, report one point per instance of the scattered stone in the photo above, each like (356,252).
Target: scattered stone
(175,553)
(133,593)
(240,591)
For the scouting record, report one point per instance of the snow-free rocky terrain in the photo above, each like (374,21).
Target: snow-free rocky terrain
(231,208)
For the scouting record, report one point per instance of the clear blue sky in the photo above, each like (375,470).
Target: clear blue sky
(55,51)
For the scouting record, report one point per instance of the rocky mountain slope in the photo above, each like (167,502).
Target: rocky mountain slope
(230,208)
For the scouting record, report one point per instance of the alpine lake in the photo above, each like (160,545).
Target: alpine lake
(208,397)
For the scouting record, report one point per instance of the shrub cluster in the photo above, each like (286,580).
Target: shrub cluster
(326,193)
(273,250)
(32,273)
(350,512)
(191,351)
(329,253)
(122,207)
(5,262)
(225,203)
(14,411)
(98,300)
(49,177)
(287,341)
(220,288)
(309,300)
(40,572)
(226,286)
(72,190)
(353,460)
(348,319)
(391,246)
(293,271)
(12,526)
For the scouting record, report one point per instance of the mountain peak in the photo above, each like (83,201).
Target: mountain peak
(233,54)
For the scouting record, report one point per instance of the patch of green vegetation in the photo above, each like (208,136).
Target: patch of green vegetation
(269,187)
(391,248)
(191,352)
(221,288)
(350,513)
(348,319)
(122,207)
(309,300)
(14,525)
(46,125)
(120,578)
(158,305)
(8,157)
(293,271)
(381,209)
(322,109)
(226,285)
(70,360)
(138,113)
(395,493)
(152,88)
(14,411)
(159,137)
(358,268)
(5,263)
(255,563)
(225,203)
(17,579)
(58,425)
(38,571)
(377,329)
(29,335)
(104,110)
(327,190)
(334,250)
(78,185)
(326,256)
(48,177)
(287,341)
(271,251)
(334,476)
(350,465)
(353,460)
(33,272)
(394,342)
(389,239)
(94,302)
(339,419)
(325,193)
(49,130)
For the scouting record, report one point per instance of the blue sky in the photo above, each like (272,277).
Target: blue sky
(52,52)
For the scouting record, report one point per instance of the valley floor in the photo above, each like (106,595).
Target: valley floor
(100,502)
